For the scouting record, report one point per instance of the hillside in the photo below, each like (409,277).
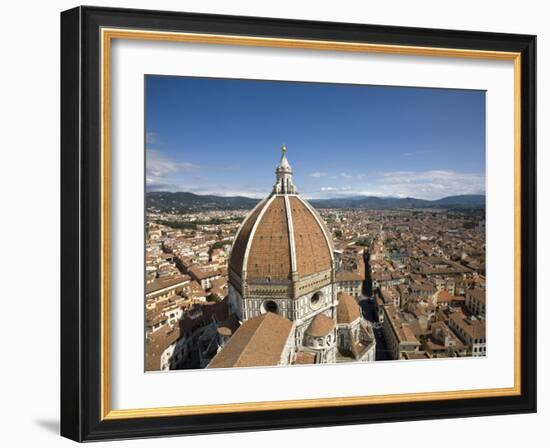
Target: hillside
(185,202)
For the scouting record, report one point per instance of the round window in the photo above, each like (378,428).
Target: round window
(315,301)
(270,306)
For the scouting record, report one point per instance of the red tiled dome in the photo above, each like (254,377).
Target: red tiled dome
(281,235)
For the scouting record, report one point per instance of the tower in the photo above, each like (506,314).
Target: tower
(283,173)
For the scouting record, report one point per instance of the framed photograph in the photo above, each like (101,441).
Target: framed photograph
(274,223)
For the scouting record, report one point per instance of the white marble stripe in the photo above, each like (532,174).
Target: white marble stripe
(290,234)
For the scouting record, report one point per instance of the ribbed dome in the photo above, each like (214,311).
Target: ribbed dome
(320,326)
(282,235)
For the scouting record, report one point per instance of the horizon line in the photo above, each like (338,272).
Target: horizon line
(319,199)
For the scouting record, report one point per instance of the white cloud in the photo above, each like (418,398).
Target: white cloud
(173,185)
(447,177)
(343,175)
(167,174)
(349,176)
(162,172)
(152,184)
(431,184)
(328,192)
(159,165)
(227,190)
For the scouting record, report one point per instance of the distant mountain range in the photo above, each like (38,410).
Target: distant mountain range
(183,201)
(372,202)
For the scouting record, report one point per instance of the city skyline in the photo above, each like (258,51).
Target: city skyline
(219,136)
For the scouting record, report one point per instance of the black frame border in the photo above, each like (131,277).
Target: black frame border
(81,224)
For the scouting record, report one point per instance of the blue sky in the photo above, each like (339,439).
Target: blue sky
(221,136)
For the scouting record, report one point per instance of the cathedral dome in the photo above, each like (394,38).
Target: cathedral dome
(283,238)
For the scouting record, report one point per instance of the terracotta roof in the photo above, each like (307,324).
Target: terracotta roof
(269,254)
(200,273)
(473,328)
(443,296)
(159,284)
(266,234)
(259,341)
(435,340)
(422,286)
(313,254)
(156,343)
(320,326)
(381,276)
(347,275)
(401,329)
(219,283)
(196,290)
(389,293)
(241,240)
(304,358)
(348,309)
